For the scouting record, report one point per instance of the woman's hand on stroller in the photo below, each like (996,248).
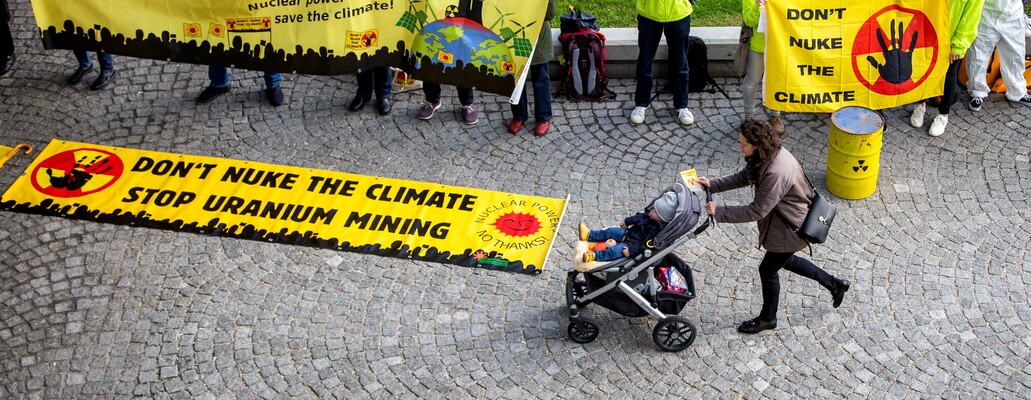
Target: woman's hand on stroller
(711,208)
(626,251)
(703,181)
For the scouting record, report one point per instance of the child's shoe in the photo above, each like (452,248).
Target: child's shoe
(584,231)
(588,256)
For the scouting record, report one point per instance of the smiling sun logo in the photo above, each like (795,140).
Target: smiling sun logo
(518,224)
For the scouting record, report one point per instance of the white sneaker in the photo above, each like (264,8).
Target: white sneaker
(917,120)
(938,125)
(637,116)
(684,116)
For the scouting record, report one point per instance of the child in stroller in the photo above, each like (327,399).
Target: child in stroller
(651,282)
(633,233)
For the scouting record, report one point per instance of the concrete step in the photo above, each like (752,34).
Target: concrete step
(621,51)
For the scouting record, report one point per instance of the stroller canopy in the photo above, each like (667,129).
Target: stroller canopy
(688,211)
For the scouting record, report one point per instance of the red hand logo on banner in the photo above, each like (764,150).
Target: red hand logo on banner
(912,49)
(77,173)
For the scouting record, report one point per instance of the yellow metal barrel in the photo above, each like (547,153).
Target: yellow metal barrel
(854,153)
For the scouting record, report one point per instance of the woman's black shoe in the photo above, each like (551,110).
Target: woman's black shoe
(383,106)
(103,80)
(78,75)
(358,103)
(840,288)
(756,325)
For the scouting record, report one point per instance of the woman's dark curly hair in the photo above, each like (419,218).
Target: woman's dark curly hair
(760,134)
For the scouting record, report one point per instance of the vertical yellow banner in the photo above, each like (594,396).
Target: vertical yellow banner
(825,55)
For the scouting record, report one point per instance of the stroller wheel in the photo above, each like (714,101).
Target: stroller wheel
(582,330)
(673,334)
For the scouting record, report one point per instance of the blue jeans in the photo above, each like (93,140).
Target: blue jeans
(601,235)
(541,96)
(377,78)
(220,77)
(432,92)
(649,33)
(107,63)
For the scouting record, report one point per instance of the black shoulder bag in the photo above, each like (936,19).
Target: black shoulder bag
(818,220)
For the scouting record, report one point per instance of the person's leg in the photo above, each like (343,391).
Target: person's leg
(1011,61)
(83,57)
(381,82)
(541,92)
(520,110)
(806,268)
(6,39)
(432,92)
(753,77)
(366,80)
(977,57)
(611,253)
(469,114)
(465,96)
(951,88)
(648,34)
(107,62)
(600,235)
(273,93)
(273,80)
(770,280)
(85,66)
(916,120)
(219,76)
(220,85)
(947,99)
(677,33)
(363,94)
(6,46)
(107,71)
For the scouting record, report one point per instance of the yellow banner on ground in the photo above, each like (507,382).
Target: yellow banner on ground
(835,53)
(488,42)
(301,206)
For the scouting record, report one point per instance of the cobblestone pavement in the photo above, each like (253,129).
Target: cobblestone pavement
(939,257)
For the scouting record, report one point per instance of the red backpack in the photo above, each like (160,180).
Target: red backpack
(584,53)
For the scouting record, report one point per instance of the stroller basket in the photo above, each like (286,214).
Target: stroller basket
(667,301)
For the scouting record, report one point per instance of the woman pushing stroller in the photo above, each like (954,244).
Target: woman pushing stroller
(781,193)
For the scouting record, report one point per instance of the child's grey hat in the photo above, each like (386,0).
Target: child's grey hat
(666,206)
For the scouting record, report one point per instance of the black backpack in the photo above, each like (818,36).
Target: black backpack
(699,79)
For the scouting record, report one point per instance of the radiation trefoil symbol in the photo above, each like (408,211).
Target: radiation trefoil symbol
(895,50)
(856,168)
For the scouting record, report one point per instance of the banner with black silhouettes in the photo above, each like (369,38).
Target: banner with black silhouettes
(876,54)
(282,204)
(480,44)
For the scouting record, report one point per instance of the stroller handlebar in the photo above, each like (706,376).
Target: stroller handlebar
(709,219)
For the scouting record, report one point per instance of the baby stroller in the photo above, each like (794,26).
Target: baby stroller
(639,286)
